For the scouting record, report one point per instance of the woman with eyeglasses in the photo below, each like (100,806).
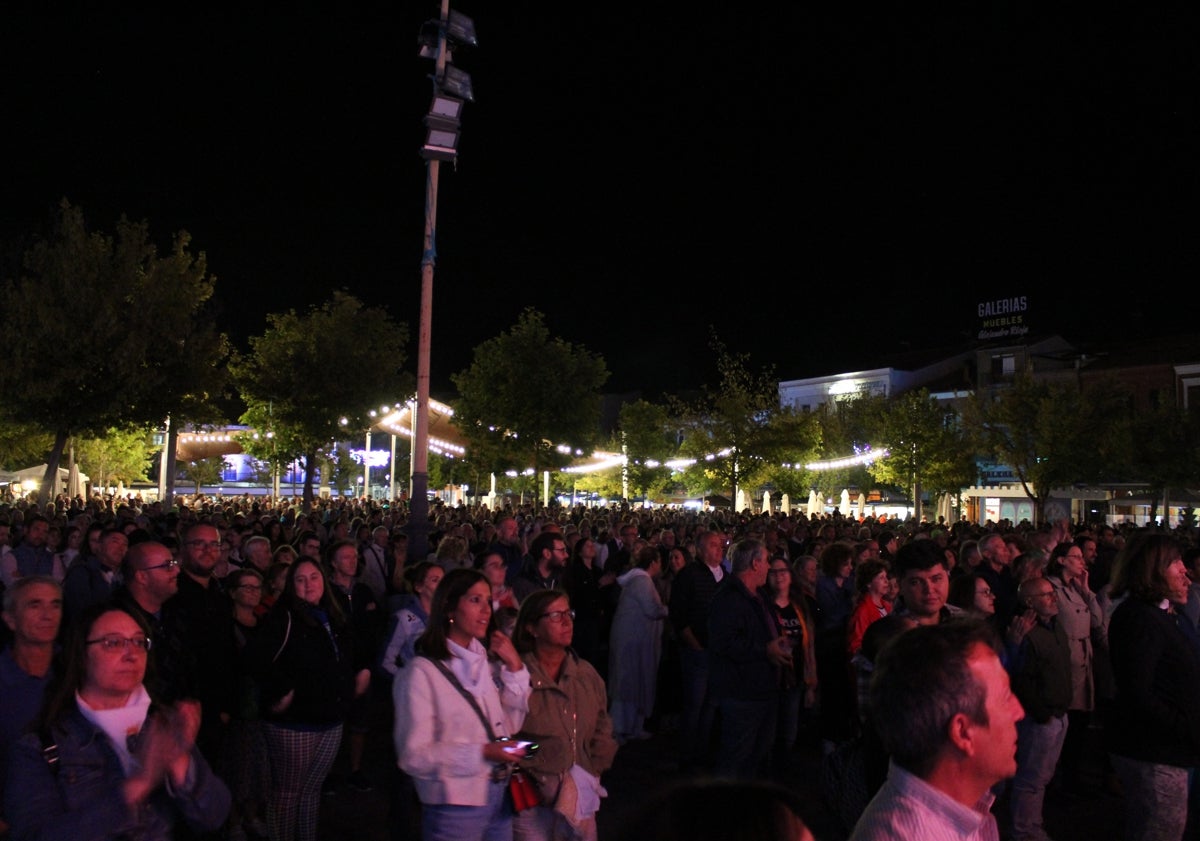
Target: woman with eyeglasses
(455,715)
(102,760)
(568,719)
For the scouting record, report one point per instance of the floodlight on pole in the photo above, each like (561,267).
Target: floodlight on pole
(452,88)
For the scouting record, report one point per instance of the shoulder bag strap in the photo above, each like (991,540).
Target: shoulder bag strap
(444,669)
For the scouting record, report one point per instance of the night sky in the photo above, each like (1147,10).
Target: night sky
(823,185)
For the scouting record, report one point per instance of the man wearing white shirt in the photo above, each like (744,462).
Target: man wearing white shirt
(948,719)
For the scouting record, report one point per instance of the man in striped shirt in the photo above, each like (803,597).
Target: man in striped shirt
(941,702)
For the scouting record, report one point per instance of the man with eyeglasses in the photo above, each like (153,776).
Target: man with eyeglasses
(202,615)
(96,579)
(1041,680)
(544,569)
(150,579)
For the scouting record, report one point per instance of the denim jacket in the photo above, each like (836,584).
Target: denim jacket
(82,798)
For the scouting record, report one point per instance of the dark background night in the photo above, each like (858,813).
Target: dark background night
(823,185)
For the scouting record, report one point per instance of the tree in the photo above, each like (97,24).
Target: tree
(737,430)
(204,471)
(1051,433)
(149,348)
(306,373)
(647,440)
(120,455)
(22,444)
(525,395)
(926,449)
(1164,450)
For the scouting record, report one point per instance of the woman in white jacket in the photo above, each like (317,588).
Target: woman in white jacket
(455,715)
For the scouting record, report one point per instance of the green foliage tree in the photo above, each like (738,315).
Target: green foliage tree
(736,431)
(525,395)
(150,348)
(204,471)
(647,440)
(925,445)
(21,444)
(286,375)
(120,455)
(1164,449)
(1051,433)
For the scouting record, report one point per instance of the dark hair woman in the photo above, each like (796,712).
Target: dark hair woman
(125,768)
(455,714)
(302,658)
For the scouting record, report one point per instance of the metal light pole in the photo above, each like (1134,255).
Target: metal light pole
(441,145)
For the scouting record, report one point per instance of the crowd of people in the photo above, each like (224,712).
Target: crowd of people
(213,661)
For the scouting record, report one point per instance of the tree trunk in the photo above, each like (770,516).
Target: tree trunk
(46,491)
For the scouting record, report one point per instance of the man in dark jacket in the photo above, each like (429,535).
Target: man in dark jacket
(1041,680)
(745,658)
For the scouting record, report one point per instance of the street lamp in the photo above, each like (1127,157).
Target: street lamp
(451,88)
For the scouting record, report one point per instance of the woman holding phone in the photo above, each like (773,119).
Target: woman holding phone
(455,715)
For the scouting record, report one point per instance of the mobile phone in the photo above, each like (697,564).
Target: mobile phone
(530,748)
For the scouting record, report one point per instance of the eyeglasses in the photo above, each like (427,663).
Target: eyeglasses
(171,564)
(212,545)
(559,616)
(112,642)
(987,593)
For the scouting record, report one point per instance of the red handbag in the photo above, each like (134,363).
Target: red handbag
(524,793)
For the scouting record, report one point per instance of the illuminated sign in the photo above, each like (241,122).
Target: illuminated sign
(1003,318)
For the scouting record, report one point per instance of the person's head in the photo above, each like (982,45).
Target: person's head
(1039,595)
(113,545)
(924,581)
(424,578)
(380,535)
(1150,568)
(1066,560)
(275,579)
(1031,564)
(939,695)
(151,574)
(871,578)
(968,555)
(545,620)
(1087,545)
(649,559)
(256,551)
(628,534)
(33,610)
(284,554)
(837,559)
(548,550)
(507,530)
(748,561)
(461,610)
(700,810)
(779,577)
(972,593)
(245,587)
(710,548)
(491,564)
(37,530)
(994,550)
(343,558)
(306,583)
(105,657)
(677,559)
(309,545)
(201,549)
(807,570)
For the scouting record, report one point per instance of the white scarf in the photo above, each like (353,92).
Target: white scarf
(120,723)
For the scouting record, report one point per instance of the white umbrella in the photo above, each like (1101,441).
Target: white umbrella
(742,502)
(814,503)
(845,506)
(766,509)
(945,508)
(785,504)
(74,483)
